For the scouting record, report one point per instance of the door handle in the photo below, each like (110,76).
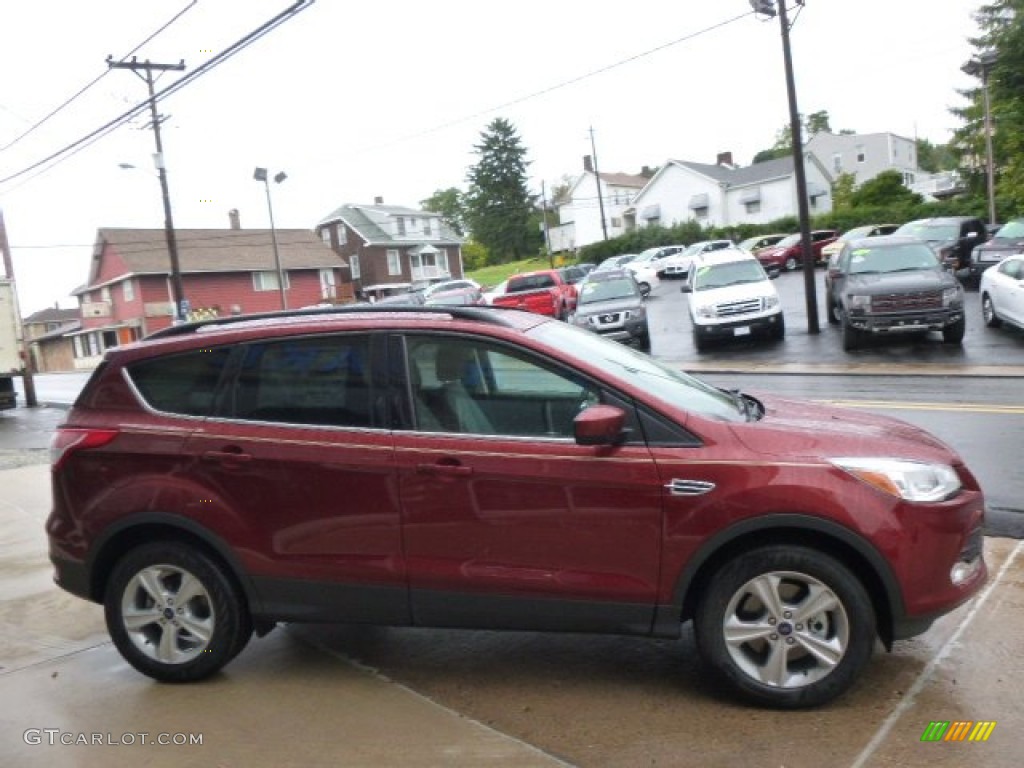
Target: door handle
(444,468)
(227,457)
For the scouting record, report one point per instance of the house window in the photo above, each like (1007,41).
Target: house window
(342,234)
(325,235)
(426,228)
(400,225)
(353,263)
(442,261)
(616,222)
(837,163)
(394,263)
(128,290)
(79,347)
(754,206)
(267,281)
(105,294)
(412,225)
(327,286)
(860,154)
(700,213)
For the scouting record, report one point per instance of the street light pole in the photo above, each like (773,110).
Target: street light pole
(981,66)
(810,289)
(260,174)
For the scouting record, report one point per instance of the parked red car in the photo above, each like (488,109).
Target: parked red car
(544,292)
(787,253)
(470,467)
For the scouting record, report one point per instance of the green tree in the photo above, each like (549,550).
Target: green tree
(842,191)
(885,189)
(447,202)
(935,157)
(817,122)
(498,203)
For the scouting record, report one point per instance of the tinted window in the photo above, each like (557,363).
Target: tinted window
(468,386)
(529,283)
(323,380)
(182,384)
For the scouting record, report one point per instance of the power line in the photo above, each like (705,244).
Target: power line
(67,151)
(560,85)
(67,102)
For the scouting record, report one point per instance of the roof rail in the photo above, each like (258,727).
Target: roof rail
(482,314)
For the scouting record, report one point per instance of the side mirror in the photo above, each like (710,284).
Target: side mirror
(599,425)
(645,290)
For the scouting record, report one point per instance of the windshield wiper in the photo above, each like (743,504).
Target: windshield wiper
(741,402)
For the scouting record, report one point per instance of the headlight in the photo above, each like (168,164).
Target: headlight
(910,480)
(771,301)
(952,296)
(705,310)
(859,302)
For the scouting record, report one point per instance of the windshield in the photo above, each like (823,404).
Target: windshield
(620,363)
(711,276)
(933,232)
(607,290)
(1011,230)
(789,240)
(856,232)
(892,258)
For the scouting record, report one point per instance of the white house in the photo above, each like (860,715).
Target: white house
(579,217)
(724,194)
(865,155)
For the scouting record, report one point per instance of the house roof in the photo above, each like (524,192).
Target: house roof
(144,251)
(66,328)
(52,315)
(750,174)
(624,180)
(369,222)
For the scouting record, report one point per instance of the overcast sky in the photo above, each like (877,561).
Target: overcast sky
(358,100)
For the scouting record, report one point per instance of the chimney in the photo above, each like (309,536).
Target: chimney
(236,222)
(646,171)
(378,201)
(588,164)
(725,159)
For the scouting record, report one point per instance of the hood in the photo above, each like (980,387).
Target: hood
(730,293)
(608,305)
(809,430)
(1006,245)
(899,282)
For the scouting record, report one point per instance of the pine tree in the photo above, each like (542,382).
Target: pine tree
(498,203)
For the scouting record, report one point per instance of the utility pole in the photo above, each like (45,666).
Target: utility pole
(544,211)
(810,287)
(26,359)
(597,178)
(177,286)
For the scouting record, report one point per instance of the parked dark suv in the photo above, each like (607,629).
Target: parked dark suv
(892,285)
(1007,241)
(951,237)
(478,467)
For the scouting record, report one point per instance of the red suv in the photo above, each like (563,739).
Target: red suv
(475,467)
(787,253)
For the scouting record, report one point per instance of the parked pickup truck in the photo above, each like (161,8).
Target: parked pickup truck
(544,292)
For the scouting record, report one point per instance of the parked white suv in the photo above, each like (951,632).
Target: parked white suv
(732,296)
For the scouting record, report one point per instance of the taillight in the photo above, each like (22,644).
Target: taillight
(67,440)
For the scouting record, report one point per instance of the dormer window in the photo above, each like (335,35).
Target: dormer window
(400,225)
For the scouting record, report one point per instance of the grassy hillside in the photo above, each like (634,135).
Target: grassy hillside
(491,276)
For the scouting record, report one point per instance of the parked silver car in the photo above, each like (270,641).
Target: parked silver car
(611,304)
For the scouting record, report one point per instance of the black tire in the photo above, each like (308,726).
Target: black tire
(791,263)
(831,310)
(852,337)
(644,341)
(202,632)
(988,312)
(954,334)
(699,342)
(779,331)
(841,626)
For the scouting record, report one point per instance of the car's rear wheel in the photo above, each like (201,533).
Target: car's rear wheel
(988,311)
(787,626)
(174,613)
(791,263)
(954,334)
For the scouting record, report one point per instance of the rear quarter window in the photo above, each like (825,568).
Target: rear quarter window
(183,384)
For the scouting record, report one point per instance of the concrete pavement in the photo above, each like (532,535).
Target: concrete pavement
(344,697)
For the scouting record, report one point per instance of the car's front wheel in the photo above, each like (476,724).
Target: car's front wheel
(831,310)
(988,311)
(174,613)
(791,263)
(852,337)
(787,626)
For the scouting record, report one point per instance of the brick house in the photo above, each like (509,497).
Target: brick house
(224,271)
(46,332)
(391,247)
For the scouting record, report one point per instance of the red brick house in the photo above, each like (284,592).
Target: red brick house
(224,272)
(390,246)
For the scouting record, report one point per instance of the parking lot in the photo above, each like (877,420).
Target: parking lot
(369,696)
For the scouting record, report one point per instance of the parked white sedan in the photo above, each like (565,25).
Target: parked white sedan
(1002,293)
(646,276)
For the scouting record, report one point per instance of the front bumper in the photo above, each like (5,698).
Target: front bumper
(740,326)
(613,326)
(907,322)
